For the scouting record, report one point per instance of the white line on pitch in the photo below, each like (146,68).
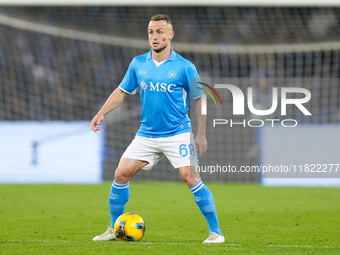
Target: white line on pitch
(177,243)
(252,245)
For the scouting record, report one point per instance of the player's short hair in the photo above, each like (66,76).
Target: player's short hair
(162,17)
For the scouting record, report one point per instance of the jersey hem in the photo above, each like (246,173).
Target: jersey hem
(197,97)
(164,135)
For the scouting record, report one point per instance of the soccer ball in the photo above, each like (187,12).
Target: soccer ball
(129,227)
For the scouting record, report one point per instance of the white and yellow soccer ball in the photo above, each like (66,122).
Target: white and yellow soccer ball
(129,227)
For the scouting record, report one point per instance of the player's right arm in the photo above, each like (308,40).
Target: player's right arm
(114,100)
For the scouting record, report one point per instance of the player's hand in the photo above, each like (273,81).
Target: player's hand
(96,121)
(201,145)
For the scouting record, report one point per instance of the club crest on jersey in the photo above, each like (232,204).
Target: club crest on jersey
(143,85)
(171,74)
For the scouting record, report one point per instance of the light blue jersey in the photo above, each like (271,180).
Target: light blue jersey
(164,93)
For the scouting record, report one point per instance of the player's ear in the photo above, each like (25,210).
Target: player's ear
(171,35)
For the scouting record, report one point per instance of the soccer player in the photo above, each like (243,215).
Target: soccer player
(166,80)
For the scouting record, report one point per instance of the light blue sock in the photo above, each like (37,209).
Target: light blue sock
(205,203)
(119,195)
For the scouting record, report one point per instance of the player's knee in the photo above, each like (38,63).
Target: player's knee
(189,180)
(121,176)
(189,177)
(184,175)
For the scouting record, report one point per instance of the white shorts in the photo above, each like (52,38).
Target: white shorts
(179,150)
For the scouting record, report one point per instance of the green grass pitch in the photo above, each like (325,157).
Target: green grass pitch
(63,219)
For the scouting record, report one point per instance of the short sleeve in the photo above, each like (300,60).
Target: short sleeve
(129,82)
(192,81)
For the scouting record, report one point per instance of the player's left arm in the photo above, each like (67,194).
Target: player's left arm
(201,143)
(193,87)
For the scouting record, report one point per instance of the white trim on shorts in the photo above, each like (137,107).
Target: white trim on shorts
(179,150)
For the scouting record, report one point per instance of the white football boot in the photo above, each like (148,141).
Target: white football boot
(108,235)
(214,238)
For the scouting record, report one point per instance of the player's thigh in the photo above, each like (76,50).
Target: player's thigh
(127,168)
(180,150)
(144,149)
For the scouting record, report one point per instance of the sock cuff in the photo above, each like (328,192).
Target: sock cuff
(120,185)
(197,187)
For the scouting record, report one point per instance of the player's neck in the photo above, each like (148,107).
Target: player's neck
(161,56)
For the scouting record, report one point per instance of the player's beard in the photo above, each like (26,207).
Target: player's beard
(160,49)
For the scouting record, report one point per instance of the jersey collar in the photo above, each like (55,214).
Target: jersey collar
(171,57)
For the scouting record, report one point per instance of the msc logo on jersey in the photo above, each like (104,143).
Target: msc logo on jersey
(171,74)
(161,87)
